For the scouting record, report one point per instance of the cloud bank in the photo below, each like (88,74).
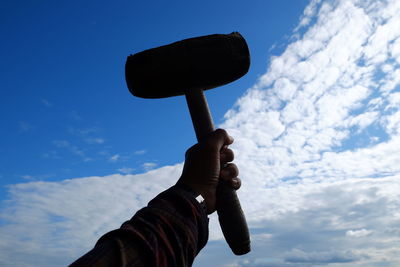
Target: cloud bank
(51,223)
(317,140)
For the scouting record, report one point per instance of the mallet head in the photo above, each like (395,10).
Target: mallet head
(197,63)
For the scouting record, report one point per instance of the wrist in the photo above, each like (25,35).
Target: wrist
(189,191)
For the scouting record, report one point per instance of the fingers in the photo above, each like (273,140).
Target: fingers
(229,171)
(236,183)
(229,174)
(226,156)
(223,135)
(218,139)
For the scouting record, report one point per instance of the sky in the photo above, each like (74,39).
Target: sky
(316,123)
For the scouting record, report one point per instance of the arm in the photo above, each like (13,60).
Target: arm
(173,228)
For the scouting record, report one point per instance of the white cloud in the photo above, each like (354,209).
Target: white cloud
(74,115)
(95,140)
(114,158)
(358,233)
(46,103)
(317,142)
(125,170)
(25,126)
(83,132)
(70,147)
(72,214)
(308,14)
(324,115)
(140,152)
(27,177)
(299,256)
(147,166)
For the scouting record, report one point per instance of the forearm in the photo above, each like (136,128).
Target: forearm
(170,231)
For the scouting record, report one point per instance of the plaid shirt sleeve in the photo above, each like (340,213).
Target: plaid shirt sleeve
(170,231)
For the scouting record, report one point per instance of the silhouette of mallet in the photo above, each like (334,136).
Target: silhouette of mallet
(187,68)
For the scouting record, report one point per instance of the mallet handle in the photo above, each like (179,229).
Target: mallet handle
(230,214)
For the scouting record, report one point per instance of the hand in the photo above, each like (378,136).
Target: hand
(202,169)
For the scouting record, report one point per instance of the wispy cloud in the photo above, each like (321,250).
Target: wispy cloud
(30,177)
(299,256)
(358,233)
(114,158)
(147,166)
(70,147)
(140,152)
(51,155)
(309,13)
(25,126)
(74,115)
(84,132)
(27,177)
(125,170)
(88,134)
(95,140)
(46,103)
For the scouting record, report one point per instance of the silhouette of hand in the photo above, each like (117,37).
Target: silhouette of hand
(206,163)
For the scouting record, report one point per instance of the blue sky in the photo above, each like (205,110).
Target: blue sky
(65,107)
(316,123)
